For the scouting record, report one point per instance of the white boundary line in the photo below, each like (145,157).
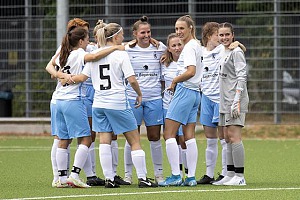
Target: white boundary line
(154,192)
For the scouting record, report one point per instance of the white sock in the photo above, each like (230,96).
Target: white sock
(80,157)
(184,160)
(139,161)
(87,167)
(180,160)
(53,159)
(93,157)
(224,153)
(68,159)
(191,156)
(115,155)
(127,160)
(61,159)
(106,161)
(211,156)
(156,154)
(173,155)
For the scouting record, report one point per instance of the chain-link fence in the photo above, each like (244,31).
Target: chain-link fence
(268,28)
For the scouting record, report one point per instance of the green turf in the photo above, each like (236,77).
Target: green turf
(272,172)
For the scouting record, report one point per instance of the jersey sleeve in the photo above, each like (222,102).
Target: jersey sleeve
(126,65)
(240,68)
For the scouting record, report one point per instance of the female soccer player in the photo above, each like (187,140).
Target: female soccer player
(233,106)
(184,105)
(169,72)
(145,60)
(88,167)
(111,111)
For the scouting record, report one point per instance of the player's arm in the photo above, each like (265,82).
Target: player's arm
(236,44)
(135,85)
(51,67)
(189,73)
(101,54)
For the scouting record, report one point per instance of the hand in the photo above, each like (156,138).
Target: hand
(235,108)
(64,78)
(154,42)
(121,47)
(163,58)
(138,101)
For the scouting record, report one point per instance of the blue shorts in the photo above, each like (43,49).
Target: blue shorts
(209,114)
(71,119)
(150,111)
(184,106)
(179,132)
(117,121)
(89,98)
(53,121)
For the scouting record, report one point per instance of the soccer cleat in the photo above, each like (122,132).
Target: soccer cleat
(218,179)
(159,178)
(62,185)
(223,180)
(174,180)
(77,183)
(95,181)
(55,183)
(128,179)
(205,180)
(146,183)
(111,184)
(236,181)
(190,181)
(119,180)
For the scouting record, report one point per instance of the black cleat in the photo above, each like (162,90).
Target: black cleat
(218,179)
(95,181)
(119,180)
(147,183)
(205,180)
(111,184)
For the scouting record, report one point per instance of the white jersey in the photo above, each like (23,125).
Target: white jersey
(108,76)
(73,66)
(168,74)
(147,68)
(191,55)
(89,49)
(212,61)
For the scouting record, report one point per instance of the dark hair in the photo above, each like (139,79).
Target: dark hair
(208,30)
(227,25)
(70,41)
(144,21)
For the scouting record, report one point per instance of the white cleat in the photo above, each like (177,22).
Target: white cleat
(128,179)
(223,180)
(159,178)
(77,183)
(236,181)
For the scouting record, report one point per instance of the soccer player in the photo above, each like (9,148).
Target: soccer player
(169,72)
(184,105)
(145,60)
(112,113)
(233,106)
(71,117)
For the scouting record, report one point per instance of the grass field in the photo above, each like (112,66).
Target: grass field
(272,172)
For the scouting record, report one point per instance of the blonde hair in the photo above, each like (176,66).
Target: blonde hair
(107,33)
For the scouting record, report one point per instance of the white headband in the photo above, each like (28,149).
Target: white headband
(115,33)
